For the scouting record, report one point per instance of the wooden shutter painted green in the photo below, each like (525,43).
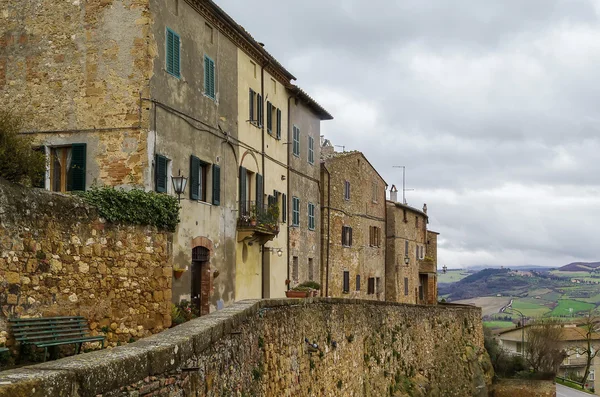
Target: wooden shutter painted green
(76,175)
(259,192)
(259,109)
(194,180)
(160,173)
(216,185)
(251,101)
(278,123)
(173,53)
(283,207)
(243,204)
(209,77)
(269,117)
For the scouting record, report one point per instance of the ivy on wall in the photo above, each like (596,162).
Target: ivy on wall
(134,206)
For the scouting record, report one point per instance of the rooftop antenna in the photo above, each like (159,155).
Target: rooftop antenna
(404,189)
(342,146)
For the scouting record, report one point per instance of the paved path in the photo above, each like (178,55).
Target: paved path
(563,391)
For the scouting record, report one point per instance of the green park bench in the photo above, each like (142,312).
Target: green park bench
(52,331)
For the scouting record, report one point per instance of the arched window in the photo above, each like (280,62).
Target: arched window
(200,254)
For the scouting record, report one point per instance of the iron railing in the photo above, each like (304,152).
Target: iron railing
(263,216)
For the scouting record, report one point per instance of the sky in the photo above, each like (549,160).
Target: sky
(493,107)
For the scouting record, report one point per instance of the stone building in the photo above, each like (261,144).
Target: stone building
(411,262)
(304,207)
(353,226)
(130,94)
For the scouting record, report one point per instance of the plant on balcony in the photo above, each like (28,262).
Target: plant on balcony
(270,218)
(304,290)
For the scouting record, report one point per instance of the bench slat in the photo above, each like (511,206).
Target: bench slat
(3,349)
(43,323)
(21,320)
(47,331)
(51,337)
(68,341)
(46,328)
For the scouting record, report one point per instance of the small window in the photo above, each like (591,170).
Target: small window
(295,211)
(255,107)
(374,192)
(161,164)
(295,268)
(406,248)
(311,270)
(251,101)
(311,216)
(346,282)
(296,142)
(311,150)
(209,33)
(199,172)
(358,282)
(253,67)
(346,190)
(270,109)
(406,286)
(371,286)
(374,236)
(422,252)
(346,236)
(209,77)
(417,252)
(173,55)
(68,167)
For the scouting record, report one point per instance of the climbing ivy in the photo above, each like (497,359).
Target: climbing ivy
(134,206)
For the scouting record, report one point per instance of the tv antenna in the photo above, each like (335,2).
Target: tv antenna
(404,189)
(342,146)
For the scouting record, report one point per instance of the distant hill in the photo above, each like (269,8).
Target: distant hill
(579,267)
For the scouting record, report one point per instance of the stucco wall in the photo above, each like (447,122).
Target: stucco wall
(258,348)
(58,258)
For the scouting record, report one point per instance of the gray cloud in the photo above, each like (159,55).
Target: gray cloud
(492,106)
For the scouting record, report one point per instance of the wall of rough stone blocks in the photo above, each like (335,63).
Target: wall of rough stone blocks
(523,388)
(57,257)
(258,348)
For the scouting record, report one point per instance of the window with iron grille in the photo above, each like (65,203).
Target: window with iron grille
(406,286)
(346,282)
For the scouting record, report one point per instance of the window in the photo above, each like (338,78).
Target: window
(358,282)
(273,112)
(283,208)
(311,216)
(160,173)
(406,248)
(216,196)
(346,236)
(278,123)
(68,167)
(406,286)
(374,236)
(311,270)
(311,150)
(346,282)
(251,101)
(198,179)
(295,211)
(417,252)
(346,190)
(296,142)
(374,192)
(255,108)
(270,108)
(295,268)
(173,56)
(422,252)
(519,347)
(591,376)
(209,77)
(245,189)
(371,286)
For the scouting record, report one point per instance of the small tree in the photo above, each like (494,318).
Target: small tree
(591,342)
(18,161)
(541,349)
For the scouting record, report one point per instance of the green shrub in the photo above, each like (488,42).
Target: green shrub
(310,284)
(19,163)
(134,206)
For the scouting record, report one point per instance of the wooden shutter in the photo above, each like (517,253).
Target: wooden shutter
(269,117)
(209,77)
(278,123)
(176,55)
(283,207)
(346,286)
(160,173)
(358,282)
(344,235)
(259,109)
(170,51)
(350,243)
(259,192)
(194,181)
(243,203)
(76,174)
(251,101)
(371,286)
(216,185)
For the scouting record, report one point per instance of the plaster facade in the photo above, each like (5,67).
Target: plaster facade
(353,197)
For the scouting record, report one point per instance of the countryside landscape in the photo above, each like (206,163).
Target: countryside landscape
(567,292)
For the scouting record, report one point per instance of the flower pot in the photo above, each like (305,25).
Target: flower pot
(178,273)
(296,294)
(252,222)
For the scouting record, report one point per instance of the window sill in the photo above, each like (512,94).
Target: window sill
(296,155)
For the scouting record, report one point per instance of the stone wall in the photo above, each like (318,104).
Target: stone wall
(523,388)
(57,257)
(258,348)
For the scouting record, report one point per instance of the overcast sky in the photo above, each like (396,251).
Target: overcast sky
(493,107)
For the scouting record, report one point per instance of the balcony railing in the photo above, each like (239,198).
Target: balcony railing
(264,217)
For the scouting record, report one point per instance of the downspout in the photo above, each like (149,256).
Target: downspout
(288,188)
(385,256)
(262,139)
(328,230)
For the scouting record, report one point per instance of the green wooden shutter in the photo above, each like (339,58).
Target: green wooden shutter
(283,207)
(259,109)
(278,123)
(160,173)
(176,56)
(209,77)
(76,174)
(269,117)
(216,185)
(194,181)
(243,204)
(259,192)
(251,101)
(170,51)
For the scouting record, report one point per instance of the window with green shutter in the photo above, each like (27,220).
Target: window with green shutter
(283,208)
(311,150)
(311,216)
(295,211)
(269,117)
(296,142)
(173,53)
(216,185)
(76,175)
(259,192)
(194,178)
(251,102)
(160,173)
(209,77)
(278,123)
(244,208)
(259,110)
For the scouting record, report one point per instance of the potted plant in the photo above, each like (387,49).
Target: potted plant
(177,272)
(253,213)
(304,290)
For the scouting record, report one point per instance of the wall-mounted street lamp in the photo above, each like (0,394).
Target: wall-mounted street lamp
(179,183)
(272,250)
(406,260)
(444,269)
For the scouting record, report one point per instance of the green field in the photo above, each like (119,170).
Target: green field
(499,324)
(530,307)
(562,309)
(452,276)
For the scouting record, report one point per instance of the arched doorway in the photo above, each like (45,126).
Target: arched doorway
(201,279)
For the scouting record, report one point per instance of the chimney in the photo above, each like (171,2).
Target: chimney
(425,208)
(327,149)
(394,194)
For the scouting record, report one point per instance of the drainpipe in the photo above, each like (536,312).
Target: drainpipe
(288,187)
(328,230)
(262,139)
(385,256)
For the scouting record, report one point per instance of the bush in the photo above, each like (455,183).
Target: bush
(135,206)
(310,284)
(182,312)
(19,163)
